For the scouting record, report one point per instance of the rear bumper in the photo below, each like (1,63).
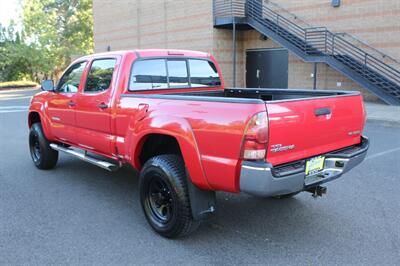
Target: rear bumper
(262,179)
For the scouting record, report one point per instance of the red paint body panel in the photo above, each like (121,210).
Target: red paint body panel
(93,124)
(294,123)
(209,133)
(211,143)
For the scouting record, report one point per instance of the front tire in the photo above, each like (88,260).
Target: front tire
(42,155)
(164,196)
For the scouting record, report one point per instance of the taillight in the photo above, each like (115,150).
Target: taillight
(254,146)
(364,113)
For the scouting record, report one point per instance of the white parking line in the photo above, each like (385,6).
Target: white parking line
(382,153)
(12,111)
(14,98)
(13,107)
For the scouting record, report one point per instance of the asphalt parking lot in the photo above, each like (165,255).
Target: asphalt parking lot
(80,214)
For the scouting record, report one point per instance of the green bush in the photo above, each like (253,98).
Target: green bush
(18,84)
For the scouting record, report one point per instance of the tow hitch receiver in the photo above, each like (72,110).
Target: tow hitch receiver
(317,191)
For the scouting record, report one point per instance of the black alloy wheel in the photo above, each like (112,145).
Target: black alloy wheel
(164,196)
(43,156)
(35,148)
(160,200)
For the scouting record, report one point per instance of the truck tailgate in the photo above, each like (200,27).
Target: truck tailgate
(300,129)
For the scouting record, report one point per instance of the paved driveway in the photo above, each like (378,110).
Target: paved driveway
(80,214)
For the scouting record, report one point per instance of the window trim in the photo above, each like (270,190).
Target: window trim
(87,75)
(65,72)
(165,58)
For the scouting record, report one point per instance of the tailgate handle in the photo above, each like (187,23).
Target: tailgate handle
(322,111)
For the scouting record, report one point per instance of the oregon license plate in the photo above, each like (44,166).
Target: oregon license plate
(315,165)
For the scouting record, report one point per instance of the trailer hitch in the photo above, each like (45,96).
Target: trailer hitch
(317,191)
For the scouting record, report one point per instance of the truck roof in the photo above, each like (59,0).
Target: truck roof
(152,53)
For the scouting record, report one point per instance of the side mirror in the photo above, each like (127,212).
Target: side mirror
(47,85)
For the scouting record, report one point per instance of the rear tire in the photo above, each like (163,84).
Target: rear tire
(164,196)
(42,155)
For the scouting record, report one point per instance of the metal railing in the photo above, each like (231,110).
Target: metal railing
(229,8)
(287,14)
(362,58)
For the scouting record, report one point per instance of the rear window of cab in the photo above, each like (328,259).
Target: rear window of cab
(170,73)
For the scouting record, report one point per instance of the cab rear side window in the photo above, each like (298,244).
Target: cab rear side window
(149,75)
(100,75)
(203,73)
(166,73)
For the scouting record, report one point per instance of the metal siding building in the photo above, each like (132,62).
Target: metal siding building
(190,24)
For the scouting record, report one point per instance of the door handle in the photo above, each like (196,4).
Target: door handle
(103,106)
(322,111)
(71,103)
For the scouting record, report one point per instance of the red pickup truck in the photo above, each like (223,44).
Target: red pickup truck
(168,114)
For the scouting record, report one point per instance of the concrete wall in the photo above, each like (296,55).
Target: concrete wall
(188,24)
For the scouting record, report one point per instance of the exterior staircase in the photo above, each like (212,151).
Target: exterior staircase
(370,68)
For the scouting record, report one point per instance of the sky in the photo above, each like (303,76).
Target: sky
(9,9)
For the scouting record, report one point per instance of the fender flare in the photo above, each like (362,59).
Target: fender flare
(176,127)
(39,108)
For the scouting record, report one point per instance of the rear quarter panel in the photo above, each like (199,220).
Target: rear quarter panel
(209,133)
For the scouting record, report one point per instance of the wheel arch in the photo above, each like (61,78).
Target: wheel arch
(154,144)
(175,133)
(35,116)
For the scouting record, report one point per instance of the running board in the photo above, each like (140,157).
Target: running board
(84,157)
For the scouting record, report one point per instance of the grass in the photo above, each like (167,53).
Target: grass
(17,84)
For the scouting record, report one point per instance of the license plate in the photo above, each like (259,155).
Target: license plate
(315,165)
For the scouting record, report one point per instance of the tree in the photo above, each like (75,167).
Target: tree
(18,60)
(60,29)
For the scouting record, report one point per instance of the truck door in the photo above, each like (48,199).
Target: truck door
(93,108)
(62,103)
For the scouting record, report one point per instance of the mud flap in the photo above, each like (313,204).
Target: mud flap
(202,202)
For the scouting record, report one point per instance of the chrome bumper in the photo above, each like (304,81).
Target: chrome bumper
(262,179)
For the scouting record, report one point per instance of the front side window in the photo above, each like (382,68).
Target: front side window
(203,73)
(100,75)
(149,75)
(70,81)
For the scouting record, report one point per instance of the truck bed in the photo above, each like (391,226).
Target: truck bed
(302,123)
(269,95)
